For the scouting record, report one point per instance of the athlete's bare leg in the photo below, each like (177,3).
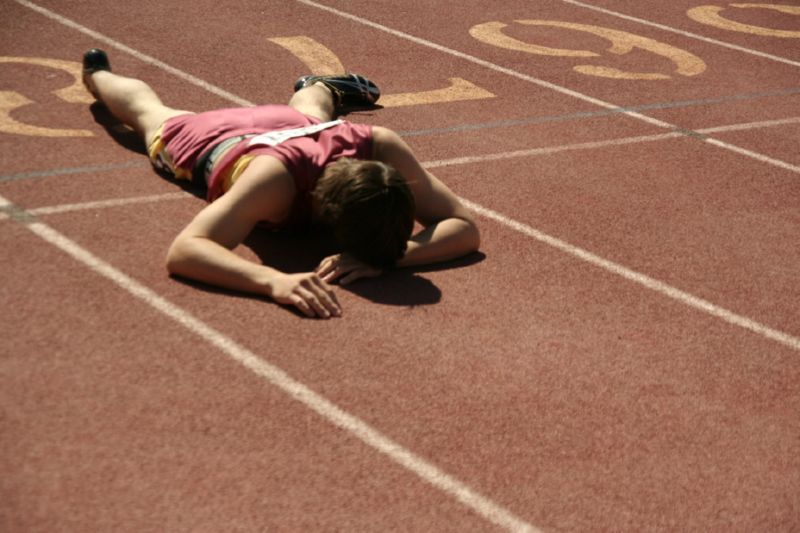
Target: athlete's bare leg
(131,101)
(315,100)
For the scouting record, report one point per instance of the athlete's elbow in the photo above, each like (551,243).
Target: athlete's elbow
(473,236)
(468,236)
(177,256)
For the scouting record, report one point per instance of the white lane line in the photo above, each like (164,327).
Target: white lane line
(278,378)
(549,150)
(631,140)
(575,251)
(684,33)
(150,60)
(754,155)
(558,88)
(750,98)
(545,84)
(486,64)
(438,163)
(623,141)
(104,204)
(4,206)
(497,68)
(65,171)
(642,279)
(752,125)
(425,470)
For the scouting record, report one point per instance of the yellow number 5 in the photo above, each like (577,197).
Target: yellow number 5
(11,100)
(711,16)
(321,61)
(686,63)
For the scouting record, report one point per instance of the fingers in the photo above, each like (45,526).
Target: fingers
(307,292)
(352,276)
(362,271)
(311,292)
(317,298)
(302,305)
(336,266)
(330,268)
(333,274)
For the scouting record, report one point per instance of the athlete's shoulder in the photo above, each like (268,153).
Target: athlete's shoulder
(382,134)
(267,172)
(389,147)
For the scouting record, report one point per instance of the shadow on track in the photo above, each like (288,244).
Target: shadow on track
(119,132)
(130,140)
(301,251)
(298,251)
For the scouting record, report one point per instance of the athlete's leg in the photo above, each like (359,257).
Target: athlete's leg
(315,101)
(131,101)
(327,96)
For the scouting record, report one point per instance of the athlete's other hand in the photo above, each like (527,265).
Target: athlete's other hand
(307,292)
(345,268)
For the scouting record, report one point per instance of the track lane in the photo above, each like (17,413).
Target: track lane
(550,507)
(170,434)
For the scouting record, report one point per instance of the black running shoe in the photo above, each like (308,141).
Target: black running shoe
(94,60)
(349,90)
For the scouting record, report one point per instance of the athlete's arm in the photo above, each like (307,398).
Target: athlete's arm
(203,250)
(449,231)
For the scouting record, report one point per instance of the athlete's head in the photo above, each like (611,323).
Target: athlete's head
(369,207)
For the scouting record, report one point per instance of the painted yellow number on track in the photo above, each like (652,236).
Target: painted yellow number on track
(321,61)
(11,100)
(686,63)
(711,15)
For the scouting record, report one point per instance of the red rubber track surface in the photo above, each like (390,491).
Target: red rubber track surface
(622,355)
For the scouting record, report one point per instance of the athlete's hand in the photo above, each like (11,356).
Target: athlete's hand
(345,268)
(307,292)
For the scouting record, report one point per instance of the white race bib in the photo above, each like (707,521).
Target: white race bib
(274,138)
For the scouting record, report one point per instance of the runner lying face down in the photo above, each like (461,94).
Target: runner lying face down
(283,166)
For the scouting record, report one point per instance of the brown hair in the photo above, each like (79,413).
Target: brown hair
(369,207)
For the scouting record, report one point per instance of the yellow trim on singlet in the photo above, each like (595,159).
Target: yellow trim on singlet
(159,156)
(157,151)
(230,176)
